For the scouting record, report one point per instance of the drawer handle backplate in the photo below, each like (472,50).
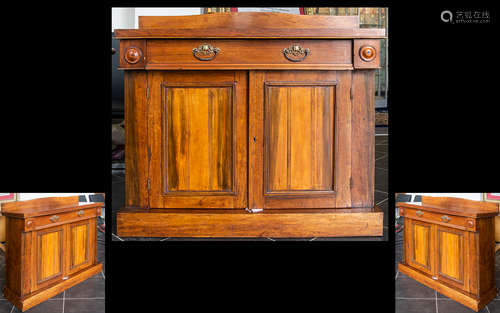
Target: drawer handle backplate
(205,52)
(419,213)
(445,218)
(54,218)
(80,213)
(296,53)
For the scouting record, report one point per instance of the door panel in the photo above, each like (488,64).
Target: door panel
(294,148)
(80,249)
(198,139)
(420,245)
(198,122)
(451,256)
(49,256)
(299,137)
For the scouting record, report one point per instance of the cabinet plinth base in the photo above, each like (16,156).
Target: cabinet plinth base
(466,299)
(348,222)
(33,299)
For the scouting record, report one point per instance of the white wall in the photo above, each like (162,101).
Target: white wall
(129,17)
(470,196)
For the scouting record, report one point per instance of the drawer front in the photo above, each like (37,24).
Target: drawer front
(58,219)
(441,219)
(271,53)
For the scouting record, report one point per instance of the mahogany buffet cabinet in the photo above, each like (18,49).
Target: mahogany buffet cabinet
(51,246)
(249,125)
(449,246)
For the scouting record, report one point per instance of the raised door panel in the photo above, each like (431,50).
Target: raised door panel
(198,139)
(81,245)
(420,245)
(300,144)
(299,137)
(451,257)
(49,260)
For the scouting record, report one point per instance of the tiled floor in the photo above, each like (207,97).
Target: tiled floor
(411,296)
(86,297)
(381,166)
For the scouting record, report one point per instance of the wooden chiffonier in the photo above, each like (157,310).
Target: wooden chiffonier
(449,246)
(51,246)
(249,125)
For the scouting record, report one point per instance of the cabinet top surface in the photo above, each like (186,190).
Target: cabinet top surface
(251,25)
(46,206)
(454,206)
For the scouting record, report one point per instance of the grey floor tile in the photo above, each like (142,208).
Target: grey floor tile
(494,306)
(450,306)
(379,196)
(383,162)
(410,288)
(84,306)
(415,306)
(51,306)
(381,180)
(90,288)
(5,306)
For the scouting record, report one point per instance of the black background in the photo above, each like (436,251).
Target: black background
(56,132)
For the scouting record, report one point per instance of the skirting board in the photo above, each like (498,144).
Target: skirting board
(463,298)
(30,301)
(349,222)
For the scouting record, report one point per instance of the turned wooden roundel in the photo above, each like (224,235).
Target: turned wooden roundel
(133,55)
(367,53)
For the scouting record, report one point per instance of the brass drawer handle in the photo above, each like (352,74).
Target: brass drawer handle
(54,218)
(445,218)
(80,213)
(296,53)
(419,213)
(205,52)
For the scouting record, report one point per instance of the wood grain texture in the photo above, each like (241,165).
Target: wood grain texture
(25,303)
(249,25)
(247,20)
(136,138)
(79,241)
(454,221)
(302,133)
(49,254)
(198,139)
(299,125)
(362,138)
(467,299)
(455,207)
(239,223)
(251,52)
(461,249)
(40,259)
(451,256)
(358,61)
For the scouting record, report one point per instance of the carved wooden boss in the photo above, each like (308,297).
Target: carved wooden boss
(450,246)
(51,246)
(249,125)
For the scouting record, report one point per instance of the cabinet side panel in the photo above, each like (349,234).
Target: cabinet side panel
(136,152)
(363,138)
(14,259)
(486,257)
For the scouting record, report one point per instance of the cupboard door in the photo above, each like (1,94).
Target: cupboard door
(451,257)
(49,260)
(420,245)
(198,139)
(81,244)
(300,140)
